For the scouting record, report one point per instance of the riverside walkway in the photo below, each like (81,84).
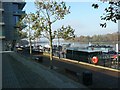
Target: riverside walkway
(18,72)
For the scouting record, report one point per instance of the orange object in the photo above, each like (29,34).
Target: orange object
(115,56)
(95,60)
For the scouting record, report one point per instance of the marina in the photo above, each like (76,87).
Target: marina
(106,54)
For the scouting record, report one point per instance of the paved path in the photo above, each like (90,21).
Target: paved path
(101,78)
(18,72)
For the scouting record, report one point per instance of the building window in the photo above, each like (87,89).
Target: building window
(16,19)
(0,5)
(15,7)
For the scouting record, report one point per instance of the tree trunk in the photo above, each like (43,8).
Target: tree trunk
(36,41)
(51,56)
(30,46)
(30,39)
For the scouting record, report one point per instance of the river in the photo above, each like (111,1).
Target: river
(73,44)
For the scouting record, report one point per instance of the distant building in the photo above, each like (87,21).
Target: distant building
(10,13)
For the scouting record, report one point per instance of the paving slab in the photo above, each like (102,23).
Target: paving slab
(19,72)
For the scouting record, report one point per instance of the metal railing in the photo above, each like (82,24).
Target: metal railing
(19,12)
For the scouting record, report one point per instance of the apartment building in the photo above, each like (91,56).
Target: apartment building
(10,13)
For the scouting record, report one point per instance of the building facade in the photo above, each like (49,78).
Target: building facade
(10,13)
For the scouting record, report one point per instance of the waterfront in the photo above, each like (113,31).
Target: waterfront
(100,74)
(72,44)
(104,59)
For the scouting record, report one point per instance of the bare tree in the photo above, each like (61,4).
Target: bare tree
(48,12)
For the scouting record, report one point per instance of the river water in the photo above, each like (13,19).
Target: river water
(72,44)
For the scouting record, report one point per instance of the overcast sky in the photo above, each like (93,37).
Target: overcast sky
(83,18)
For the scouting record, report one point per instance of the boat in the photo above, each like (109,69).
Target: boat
(100,53)
(103,48)
(82,54)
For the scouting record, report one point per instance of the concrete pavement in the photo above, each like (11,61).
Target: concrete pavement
(19,72)
(102,77)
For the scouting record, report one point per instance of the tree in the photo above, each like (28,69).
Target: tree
(65,33)
(112,12)
(20,24)
(22,34)
(112,38)
(36,35)
(36,25)
(19,34)
(31,28)
(48,12)
(28,20)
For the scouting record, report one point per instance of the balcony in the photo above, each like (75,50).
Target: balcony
(2,23)
(2,37)
(18,13)
(1,9)
(20,4)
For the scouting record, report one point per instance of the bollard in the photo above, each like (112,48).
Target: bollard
(87,78)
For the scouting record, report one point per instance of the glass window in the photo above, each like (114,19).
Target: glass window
(15,7)
(0,4)
(0,30)
(16,19)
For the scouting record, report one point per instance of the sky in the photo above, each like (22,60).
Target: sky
(83,18)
